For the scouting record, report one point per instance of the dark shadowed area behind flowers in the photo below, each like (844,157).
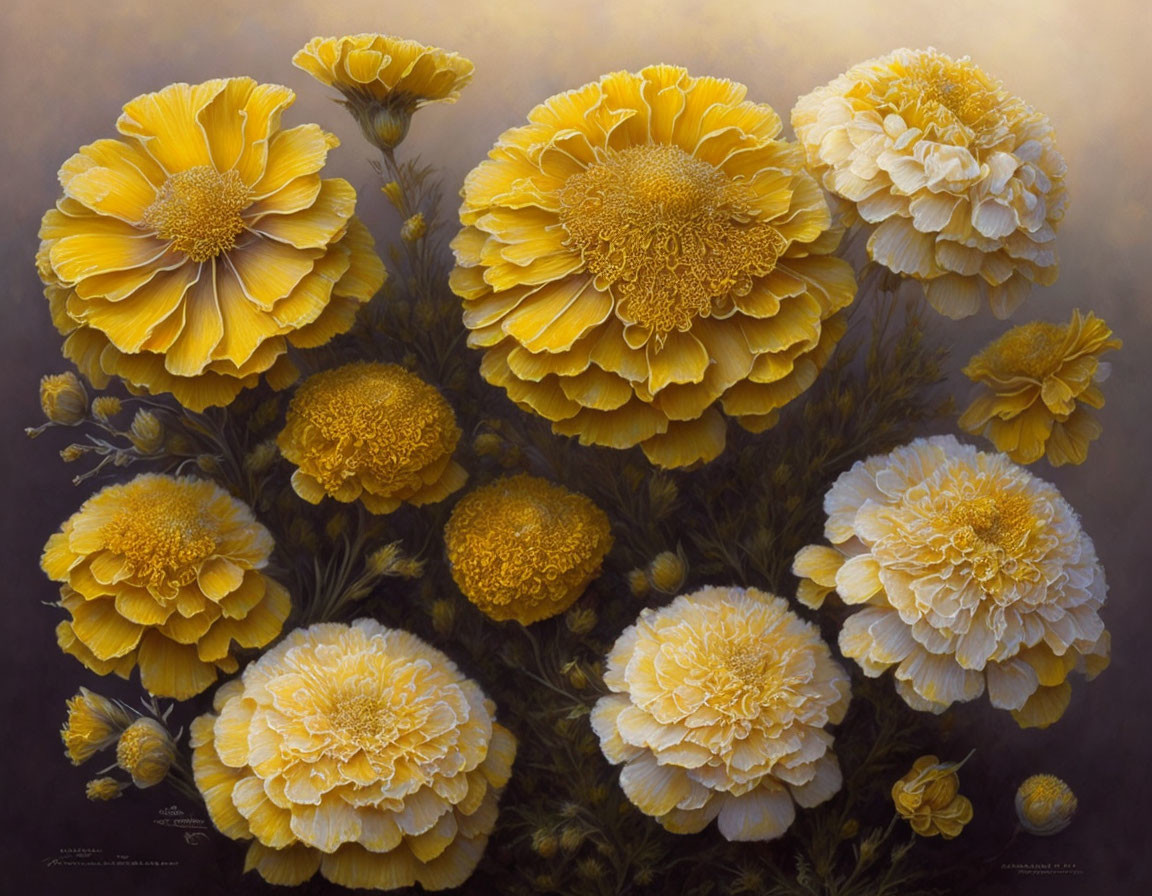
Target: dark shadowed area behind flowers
(67,67)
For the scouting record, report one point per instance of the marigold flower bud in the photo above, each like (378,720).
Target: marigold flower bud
(487,444)
(94,722)
(667,572)
(382,560)
(394,193)
(261,457)
(544,843)
(1045,805)
(580,620)
(638,583)
(443,615)
(72,453)
(105,407)
(100,790)
(146,751)
(572,838)
(576,675)
(928,798)
(63,398)
(414,228)
(146,432)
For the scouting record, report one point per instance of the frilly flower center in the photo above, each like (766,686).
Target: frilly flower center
(162,537)
(1033,350)
(1047,789)
(198,210)
(941,92)
(1004,521)
(673,237)
(363,720)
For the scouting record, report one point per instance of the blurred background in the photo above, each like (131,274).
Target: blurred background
(66,68)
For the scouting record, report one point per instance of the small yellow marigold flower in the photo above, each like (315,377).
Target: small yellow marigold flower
(384,764)
(928,798)
(164,573)
(94,722)
(373,432)
(524,548)
(146,432)
(1045,805)
(638,582)
(105,407)
(146,751)
(384,79)
(63,398)
(717,711)
(667,572)
(101,790)
(1035,385)
(414,228)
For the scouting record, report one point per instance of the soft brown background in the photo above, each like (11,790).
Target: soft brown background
(67,67)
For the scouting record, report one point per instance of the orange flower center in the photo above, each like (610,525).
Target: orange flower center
(672,236)
(1034,350)
(198,210)
(162,536)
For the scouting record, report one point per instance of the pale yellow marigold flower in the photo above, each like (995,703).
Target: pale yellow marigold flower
(959,182)
(385,79)
(1045,805)
(146,751)
(972,574)
(719,707)
(100,790)
(355,750)
(524,548)
(63,398)
(188,253)
(371,432)
(1036,383)
(164,573)
(644,253)
(94,723)
(929,799)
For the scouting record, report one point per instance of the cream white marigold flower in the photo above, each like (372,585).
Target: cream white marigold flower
(959,181)
(719,707)
(972,574)
(357,751)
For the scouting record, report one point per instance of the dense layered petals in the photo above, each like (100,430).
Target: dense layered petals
(357,751)
(164,573)
(958,183)
(374,433)
(524,548)
(971,575)
(187,254)
(929,798)
(1035,386)
(718,710)
(644,253)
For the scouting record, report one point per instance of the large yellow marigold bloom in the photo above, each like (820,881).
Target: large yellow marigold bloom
(719,707)
(960,181)
(524,548)
(355,750)
(644,252)
(164,573)
(929,799)
(373,432)
(385,79)
(973,573)
(1036,383)
(187,254)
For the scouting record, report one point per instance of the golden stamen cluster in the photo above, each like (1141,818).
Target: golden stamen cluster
(355,750)
(719,707)
(524,548)
(643,253)
(385,79)
(929,799)
(187,254)
(972,574)
(959,182)
(164,573)
(371,432)
(1036,383)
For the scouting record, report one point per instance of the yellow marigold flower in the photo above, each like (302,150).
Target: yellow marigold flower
(63,398)
(101,790)
(973,573)
(1045,805)
(373,432)
(524,548)
(94,723)
(189,252)
(355,750)
(385,79)
(928,798)
(643,253)
(719,707)
(146,751)
(959,182)
(1036,383)
(105,407)
(667,572)
(164,573)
